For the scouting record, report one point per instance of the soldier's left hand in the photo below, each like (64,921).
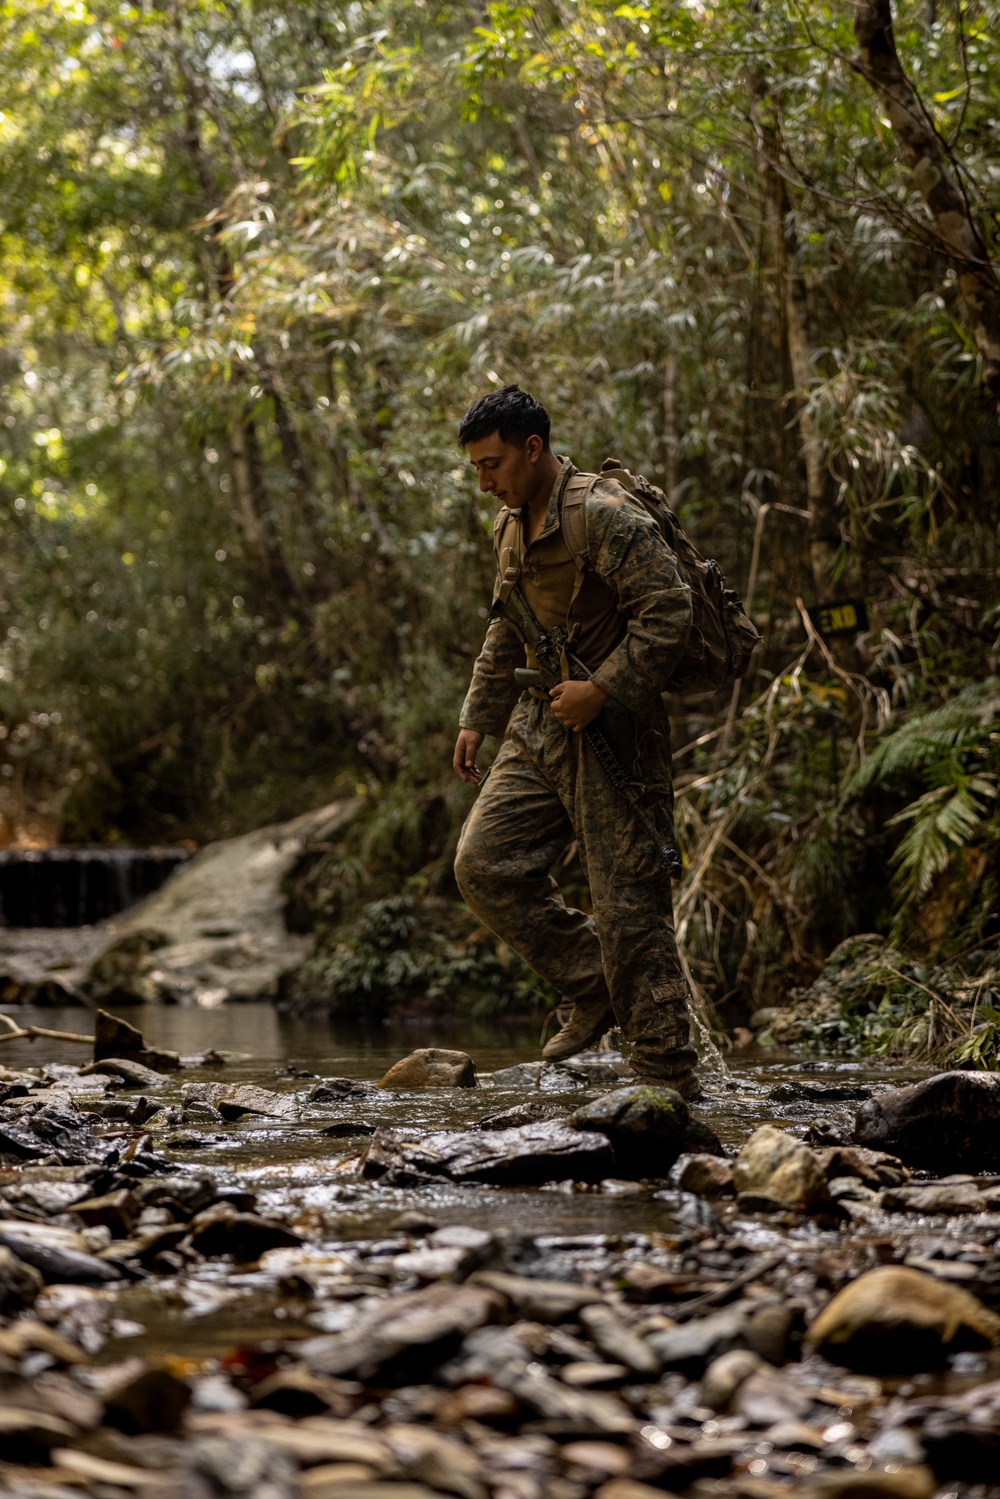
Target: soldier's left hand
(576,704)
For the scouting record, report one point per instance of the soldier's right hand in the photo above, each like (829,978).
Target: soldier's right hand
(464,759)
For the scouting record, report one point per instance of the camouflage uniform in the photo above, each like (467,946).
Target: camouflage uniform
(631,618)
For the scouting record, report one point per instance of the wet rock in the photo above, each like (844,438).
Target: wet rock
(244,1236)
(960,1436)
(767,1328)
(907,1483)
(873,1167)
(895,1319)
(769,1396)
(336,1089)
(560,1410)
(413,1221)
(541,1300)
(47,1197)
(115,1039)
(706,1176)
(557,1077)
(117,1210)
(596,1457)
(627,1488)
(349,1129)
(700,1139)
(183,1195)
(345,1481)
(587,1374)
(154,1400)
(133,1074)
(803,1091)
(445,1464)
(429,1322)
(532,1111)
(168,1118)
(938,1197)
(250,1468)
(196,1111)
(21,1143)
(646,1126)
(677,1465)
(27,1335)
(692,1346)
(950,1122)
(56,1264)
(476,1402)
(20,1283)
(29,1436)
(234,1100)
(434,1264)
(725,1375)
(613,1337)
(522,1075)
(473,1241)
(773,1165)
(432,1067)
(296,1392)
(533,1154)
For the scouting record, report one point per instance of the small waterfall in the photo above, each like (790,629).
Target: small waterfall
(65,887)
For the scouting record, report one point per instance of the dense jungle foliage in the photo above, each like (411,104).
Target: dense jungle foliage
(257,256)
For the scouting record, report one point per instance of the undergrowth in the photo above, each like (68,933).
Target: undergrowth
(403,955)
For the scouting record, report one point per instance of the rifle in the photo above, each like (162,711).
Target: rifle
(550,647)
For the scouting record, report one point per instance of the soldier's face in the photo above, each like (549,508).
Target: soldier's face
(509,473)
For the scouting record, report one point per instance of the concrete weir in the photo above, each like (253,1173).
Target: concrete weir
(69,887)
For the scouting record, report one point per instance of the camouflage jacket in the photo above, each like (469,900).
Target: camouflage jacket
(628,553)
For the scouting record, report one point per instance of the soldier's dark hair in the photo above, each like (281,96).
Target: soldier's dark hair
(511,413)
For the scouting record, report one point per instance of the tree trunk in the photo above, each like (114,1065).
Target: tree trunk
(936,179)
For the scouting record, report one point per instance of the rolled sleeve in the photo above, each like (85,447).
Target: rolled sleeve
(493,691)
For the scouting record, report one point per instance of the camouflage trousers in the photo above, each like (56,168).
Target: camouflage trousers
(545,788)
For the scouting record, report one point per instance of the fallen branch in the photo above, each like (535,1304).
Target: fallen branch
(39,1032)
(716,1298)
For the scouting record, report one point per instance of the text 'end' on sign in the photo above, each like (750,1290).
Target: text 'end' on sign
(841,617)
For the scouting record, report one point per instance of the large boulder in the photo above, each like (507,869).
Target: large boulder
(647,1126)
(946,1123)
(432,1067)
(776,1167)
(533,1154)
(897,1320)
(216,929)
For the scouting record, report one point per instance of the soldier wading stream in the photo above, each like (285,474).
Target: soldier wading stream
(318,1274)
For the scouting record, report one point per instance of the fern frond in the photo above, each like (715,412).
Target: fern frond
(922,741)
(941,821)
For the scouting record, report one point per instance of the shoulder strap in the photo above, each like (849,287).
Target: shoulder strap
(507,547)
(574,527)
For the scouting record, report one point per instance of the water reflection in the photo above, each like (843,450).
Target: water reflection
(265,1039)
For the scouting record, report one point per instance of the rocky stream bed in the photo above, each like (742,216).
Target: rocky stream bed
(539,1283)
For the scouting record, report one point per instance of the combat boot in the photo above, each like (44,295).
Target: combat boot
(584,1026)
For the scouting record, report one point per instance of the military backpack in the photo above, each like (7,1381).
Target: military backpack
(723,636)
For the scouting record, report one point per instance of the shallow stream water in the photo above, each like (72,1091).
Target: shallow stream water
(309,1178)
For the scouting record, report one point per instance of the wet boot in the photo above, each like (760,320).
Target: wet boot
(585,1024)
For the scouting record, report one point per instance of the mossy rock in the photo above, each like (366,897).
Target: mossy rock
(647,1126)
